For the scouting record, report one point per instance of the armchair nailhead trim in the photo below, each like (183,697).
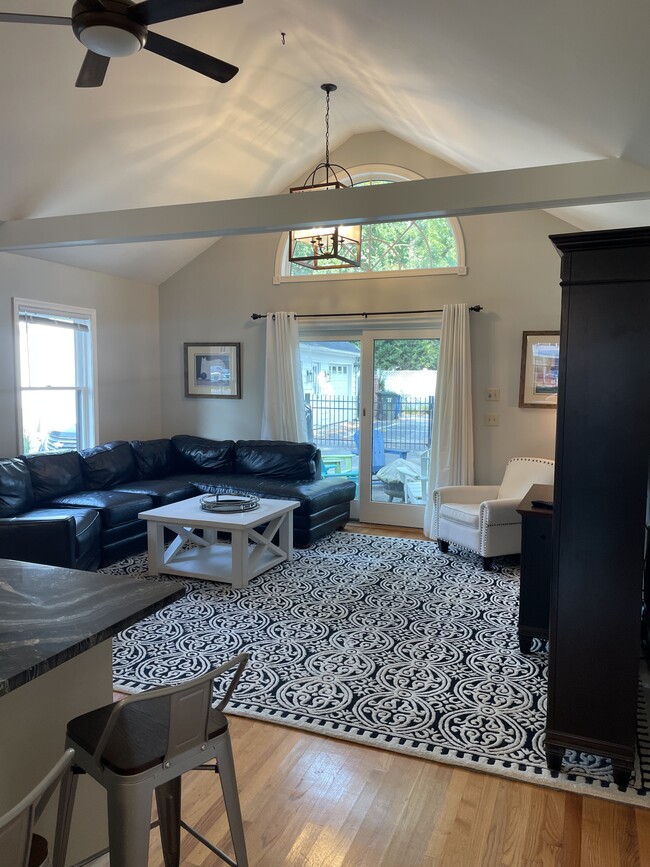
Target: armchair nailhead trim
(483,543)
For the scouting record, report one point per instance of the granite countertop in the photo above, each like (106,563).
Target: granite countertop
(49,615)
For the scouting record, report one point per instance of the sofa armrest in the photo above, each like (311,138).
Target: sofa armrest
(33,540)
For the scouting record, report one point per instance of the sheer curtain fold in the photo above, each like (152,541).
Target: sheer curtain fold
(283,417)
(452,438)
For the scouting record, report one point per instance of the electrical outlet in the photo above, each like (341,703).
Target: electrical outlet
(492,419)
(493,394)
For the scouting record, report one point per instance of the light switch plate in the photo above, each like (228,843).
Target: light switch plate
(492,419)
(492,393)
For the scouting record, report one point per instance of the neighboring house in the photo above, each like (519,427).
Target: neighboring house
(330,369)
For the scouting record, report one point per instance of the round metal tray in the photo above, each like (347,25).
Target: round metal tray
(229,503)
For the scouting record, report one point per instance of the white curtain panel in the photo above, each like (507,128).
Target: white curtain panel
(452,438)
(284,412)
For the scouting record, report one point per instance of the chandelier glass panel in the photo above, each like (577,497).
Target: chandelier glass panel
(324,248)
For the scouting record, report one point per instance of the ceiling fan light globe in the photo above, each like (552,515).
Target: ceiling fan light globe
(110,41)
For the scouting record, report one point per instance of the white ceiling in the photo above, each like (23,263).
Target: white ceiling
(484,86)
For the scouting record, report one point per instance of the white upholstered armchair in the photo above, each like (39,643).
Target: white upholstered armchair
(483,518)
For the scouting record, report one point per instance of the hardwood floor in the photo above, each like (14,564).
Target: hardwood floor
(310,801)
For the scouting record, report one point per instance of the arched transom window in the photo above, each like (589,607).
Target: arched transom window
(406,247)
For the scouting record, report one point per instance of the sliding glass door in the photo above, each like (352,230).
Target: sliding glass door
(369,398)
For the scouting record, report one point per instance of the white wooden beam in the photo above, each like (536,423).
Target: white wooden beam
(556,186)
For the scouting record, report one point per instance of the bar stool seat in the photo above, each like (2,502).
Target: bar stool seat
(139,739)
(143,745)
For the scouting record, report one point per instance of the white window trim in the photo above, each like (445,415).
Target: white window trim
(364,173)
(57,310)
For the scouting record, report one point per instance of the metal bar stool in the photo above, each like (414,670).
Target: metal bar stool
(144,744)
(17,825)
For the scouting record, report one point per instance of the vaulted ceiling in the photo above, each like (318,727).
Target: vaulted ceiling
(484,86)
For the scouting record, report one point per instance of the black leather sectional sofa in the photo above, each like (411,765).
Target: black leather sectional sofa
(80,509)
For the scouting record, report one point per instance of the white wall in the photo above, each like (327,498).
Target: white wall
(513,274)
(128,349)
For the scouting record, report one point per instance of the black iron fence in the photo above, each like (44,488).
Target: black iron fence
(404,422)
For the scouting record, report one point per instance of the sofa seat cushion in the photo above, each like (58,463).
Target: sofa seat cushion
(314,496)
(108,465)
(200,455)
(161,491)
(154,458)
(54,474)
(461,513)
(114,507)
(16,494)
(277,459)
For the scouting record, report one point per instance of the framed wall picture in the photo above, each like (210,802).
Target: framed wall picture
(540,354)
(212,370)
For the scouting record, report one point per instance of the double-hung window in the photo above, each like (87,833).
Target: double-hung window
(55,376)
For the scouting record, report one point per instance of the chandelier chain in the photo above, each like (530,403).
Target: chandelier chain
(327,128)
(323,248)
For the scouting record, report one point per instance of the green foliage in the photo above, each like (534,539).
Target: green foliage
(407,354)
(404,246)
(407,245)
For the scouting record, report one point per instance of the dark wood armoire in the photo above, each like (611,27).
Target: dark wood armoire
(601,491)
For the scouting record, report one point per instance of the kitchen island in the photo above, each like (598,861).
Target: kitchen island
(55,663)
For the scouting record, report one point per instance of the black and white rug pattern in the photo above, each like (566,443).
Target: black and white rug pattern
(378,640)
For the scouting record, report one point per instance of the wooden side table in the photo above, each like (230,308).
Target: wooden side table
(536,567)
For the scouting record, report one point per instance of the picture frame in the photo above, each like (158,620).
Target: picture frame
(212,370)
(540,354)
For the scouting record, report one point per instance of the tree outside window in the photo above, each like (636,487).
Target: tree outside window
(406,245)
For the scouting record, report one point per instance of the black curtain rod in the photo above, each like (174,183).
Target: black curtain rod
(475,309)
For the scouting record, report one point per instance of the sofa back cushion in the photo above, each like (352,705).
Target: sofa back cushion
(199,455)
(54,474)
(154,459)
(16,493)
(277,459)
(108,465)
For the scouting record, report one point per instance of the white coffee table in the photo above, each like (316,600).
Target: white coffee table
(248,554)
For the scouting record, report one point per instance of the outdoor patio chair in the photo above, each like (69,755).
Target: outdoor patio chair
(415,489)
(379,451)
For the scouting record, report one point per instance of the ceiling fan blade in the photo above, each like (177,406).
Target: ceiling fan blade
(19,18)
(93,70)
(155,11)
(214,68)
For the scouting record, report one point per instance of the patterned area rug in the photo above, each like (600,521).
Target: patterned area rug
(382,641)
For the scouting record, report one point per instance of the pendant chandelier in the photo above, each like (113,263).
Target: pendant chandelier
(325,248)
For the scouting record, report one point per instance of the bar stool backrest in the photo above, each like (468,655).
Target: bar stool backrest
(189,713)
(17,825)
(188,718)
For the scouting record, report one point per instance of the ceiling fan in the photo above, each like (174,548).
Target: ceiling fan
(117,28)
